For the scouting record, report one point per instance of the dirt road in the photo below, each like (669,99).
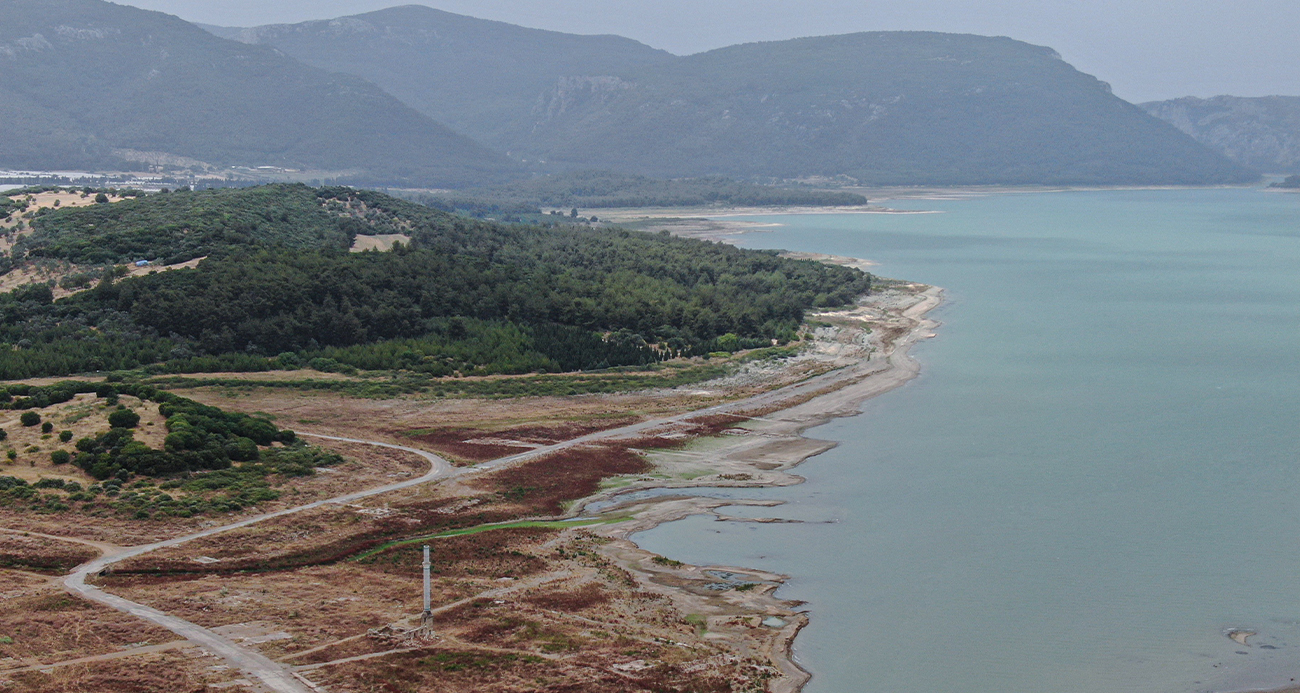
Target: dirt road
(273,675)
(894,365)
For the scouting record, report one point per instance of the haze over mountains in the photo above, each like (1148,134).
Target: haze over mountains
(94,85)
(1262,133)
(881,108)
(886,107)
(480,77)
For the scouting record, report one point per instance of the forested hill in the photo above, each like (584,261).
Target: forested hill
(1262,133)
(87,84)
(481,77)
(278,289)
(178,226)
(587,189)
(884,107)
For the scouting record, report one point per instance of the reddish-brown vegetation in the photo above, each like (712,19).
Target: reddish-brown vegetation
(555,432)
(544,485)
(458,444)
(169,672)
(38,554)
(474,445)
(495,554)
(585,597)
(462,671)
(54,626)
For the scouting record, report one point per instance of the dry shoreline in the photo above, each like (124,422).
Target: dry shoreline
(763,454)
(722,224)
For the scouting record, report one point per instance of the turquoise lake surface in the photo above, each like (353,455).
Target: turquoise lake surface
(1096,475)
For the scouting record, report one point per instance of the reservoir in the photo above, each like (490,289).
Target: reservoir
(1096,477)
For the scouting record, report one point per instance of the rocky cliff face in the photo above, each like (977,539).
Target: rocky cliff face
(1262,133)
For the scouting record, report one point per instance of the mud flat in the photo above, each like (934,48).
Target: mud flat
(761,450)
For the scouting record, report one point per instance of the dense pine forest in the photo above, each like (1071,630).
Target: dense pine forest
(279,289)
(588,189)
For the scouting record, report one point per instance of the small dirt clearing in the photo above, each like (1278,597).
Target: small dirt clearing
(382,243)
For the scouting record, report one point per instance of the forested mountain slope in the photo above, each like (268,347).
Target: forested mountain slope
(91,84)
(1262,133)
(279,288)
(586,189)
(885,108)
(483,78)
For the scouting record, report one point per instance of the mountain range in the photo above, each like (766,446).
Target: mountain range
(415,97)
(86,84)
(480,77)
(884,108)
(1261,133)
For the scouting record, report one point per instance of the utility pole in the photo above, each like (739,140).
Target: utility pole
(426,619)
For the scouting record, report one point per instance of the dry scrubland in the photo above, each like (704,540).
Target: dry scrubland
(522,601)
(47,270)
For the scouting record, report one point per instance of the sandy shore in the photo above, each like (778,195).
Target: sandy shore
(723,224)
(876,336)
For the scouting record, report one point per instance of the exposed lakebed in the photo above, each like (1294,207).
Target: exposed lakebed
(1095,481)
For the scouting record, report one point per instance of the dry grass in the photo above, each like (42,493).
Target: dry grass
(48,625)
(85,416)
(382,242)
(492,555)
(314,606)
(463,445)
(164,672)
(543,486)
(401,420)
(320,604)
(38,554)
(365,466)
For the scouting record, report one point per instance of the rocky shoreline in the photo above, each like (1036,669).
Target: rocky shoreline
(763,452)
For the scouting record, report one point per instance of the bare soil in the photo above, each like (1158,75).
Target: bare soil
(381,243)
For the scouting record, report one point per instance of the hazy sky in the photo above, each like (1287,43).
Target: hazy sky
(1147,49)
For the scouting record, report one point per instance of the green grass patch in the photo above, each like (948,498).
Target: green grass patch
(540,524)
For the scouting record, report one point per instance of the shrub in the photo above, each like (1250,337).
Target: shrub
(47,427)
(123,418)
(64,436)
(30,418)
(3,434)
(60,457)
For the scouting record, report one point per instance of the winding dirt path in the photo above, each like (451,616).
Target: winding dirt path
(892,368)
(272,674)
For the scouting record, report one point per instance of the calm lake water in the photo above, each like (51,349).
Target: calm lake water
(1097,474)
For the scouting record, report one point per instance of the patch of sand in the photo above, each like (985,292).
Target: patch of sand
(382,243)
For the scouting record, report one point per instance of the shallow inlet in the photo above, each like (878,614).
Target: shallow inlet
(1094,480)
